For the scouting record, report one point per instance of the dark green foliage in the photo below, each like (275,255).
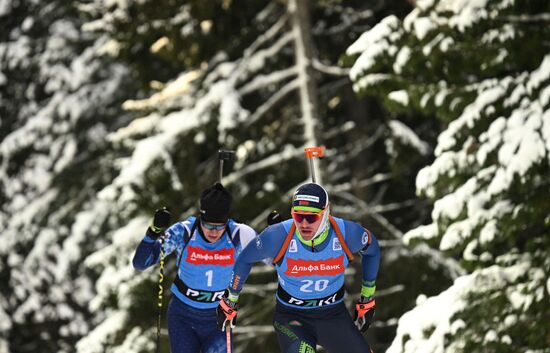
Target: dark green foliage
(83,226)
(483,74)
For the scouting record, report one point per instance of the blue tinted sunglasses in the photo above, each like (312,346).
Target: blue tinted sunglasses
(211,226)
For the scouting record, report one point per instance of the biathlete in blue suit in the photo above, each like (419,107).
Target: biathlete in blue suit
(206,247)
(310,252)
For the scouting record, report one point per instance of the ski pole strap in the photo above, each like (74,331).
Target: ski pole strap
(283,248)
(340,237)
(229,311)
(362,308)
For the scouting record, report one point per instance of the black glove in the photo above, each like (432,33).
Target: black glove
(161,220)
(273,218)
(226,313)
(364,313)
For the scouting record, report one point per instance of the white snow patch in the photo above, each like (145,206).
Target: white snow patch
(103,335)
(432,316)
(5,7)
(372,44)
(401,60)
(135,341)
(424,4)
(5,321)
(401,97)
(67,155)
(407,136)
(421,299)
(467,12)
(446,44)
(469,251)
(450,206)
(456,233)
(435,314)
(422,26)
(422,232)
(491,336)
(488,232)
(380,31)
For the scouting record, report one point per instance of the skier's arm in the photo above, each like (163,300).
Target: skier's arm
(148,250)
(363,241)
(147,253)
(264,246)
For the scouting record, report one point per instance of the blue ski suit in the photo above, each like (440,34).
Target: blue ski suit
(310,308)
(204,270)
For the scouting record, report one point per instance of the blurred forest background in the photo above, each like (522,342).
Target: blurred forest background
(435,116)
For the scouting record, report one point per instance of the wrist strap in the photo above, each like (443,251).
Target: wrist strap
(362,308)
(155,229)
(152,234)
(229,311)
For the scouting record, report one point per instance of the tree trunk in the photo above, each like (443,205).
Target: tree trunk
(301,29)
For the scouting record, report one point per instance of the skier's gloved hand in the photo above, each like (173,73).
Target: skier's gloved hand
(273,218)
(226,313)
(364,312)
(161,220)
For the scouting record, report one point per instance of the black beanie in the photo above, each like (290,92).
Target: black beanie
(215,204)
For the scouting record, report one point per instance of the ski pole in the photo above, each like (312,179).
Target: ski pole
(161,291)
(224,155)
(228,337)
(312,152)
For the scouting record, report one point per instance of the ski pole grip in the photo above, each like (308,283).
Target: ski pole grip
(318,151)
(226,155)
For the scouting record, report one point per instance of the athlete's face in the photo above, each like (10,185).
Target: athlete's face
(212,231)
(307,223)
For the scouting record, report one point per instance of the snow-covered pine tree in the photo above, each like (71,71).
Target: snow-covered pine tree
(484,68)
(58,100)
(67,244)
(250,103)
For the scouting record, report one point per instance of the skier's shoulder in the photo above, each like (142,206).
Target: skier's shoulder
(350,227)
(346,226)
(183,227)
(275,234)
(241,227)
(278,229)
(245,232)
(357,235)
(188,224)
